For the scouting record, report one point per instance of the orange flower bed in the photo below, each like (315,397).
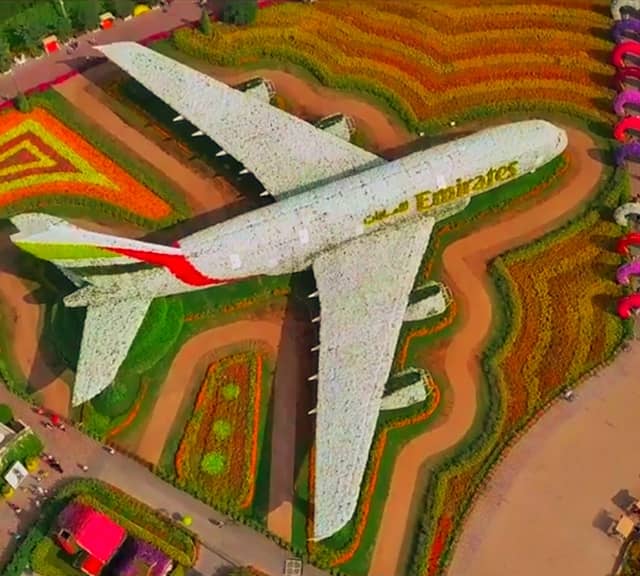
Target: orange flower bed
(217,456)
(40,156)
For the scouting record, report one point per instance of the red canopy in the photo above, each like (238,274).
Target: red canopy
(55,419)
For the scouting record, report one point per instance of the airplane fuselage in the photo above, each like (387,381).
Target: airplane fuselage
(288,235)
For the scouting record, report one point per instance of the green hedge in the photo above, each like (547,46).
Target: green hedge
(162,528)
(27,447)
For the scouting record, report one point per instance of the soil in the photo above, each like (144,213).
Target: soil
(465,263)
(559,488)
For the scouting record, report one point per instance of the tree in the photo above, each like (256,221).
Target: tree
(22,103)
(240,12)
(87,15)
(122,8)
(6,415)
(205,23)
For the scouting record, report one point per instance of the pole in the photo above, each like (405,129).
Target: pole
(64,9)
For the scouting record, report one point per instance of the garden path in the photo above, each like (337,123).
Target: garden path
(48,69)
(312,101)
(202,194)
(465,264)
(185,377)
(545,509)
(222,547)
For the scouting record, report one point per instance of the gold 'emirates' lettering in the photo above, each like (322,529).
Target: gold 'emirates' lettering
(429,199)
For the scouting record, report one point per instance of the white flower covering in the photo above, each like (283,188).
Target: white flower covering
(260,92)
(284,152)
(109,330)
(622,213)
(340,130)
(404,397)
(363,288)
(427,307)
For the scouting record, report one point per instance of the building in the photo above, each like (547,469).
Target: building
(90,536)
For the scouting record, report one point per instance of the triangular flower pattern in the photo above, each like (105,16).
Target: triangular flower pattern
(39,156)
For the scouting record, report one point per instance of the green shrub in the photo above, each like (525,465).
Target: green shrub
(5,55)
(28,446)
(86,16)
(213,463)
(205,23)
(230,391)
(122,8)
(22,103)
(6,415)
(222,429)
(160,329)
(240,12)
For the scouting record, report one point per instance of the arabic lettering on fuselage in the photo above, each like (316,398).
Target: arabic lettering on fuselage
(429,199)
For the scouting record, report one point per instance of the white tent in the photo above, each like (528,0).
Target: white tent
(16,474)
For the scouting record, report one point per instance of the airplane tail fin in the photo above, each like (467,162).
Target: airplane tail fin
(84,257)
(68,246)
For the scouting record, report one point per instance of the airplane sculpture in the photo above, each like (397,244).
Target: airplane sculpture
(362,224)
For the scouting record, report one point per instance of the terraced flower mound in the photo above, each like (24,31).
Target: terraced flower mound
(436,61)
(42,158)
(563,324)
(218,451)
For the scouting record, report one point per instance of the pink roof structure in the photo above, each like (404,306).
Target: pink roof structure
(93,531)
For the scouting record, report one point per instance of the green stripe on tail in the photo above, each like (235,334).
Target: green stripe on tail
(54,252)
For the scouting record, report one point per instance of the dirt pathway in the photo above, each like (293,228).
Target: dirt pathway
(24,323)
(465,264)
(188,369)
(552,498)
(202,194)
(186,373)
(313,101)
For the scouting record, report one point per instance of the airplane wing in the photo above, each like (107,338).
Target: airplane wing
(363,288)
(285,153)
(109,331)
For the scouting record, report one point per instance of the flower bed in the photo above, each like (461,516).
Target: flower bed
(39,157)
(217,456)
(419,67)
(547,290)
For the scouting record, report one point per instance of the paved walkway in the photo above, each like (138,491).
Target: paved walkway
(49,68)
(222,547)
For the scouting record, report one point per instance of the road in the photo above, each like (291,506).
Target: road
(222,547)
(51,67)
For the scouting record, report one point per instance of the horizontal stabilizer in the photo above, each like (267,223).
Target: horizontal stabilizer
(109,330)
